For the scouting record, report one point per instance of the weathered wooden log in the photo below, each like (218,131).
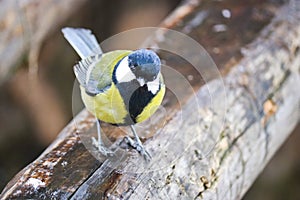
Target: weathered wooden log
(260,69)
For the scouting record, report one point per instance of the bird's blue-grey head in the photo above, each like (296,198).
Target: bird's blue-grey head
(145,64)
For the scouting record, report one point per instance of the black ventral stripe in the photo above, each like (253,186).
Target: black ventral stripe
(138,101)
(135,98)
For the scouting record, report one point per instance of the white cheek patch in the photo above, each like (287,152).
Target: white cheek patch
(141,81)
(123,72)
(153,86)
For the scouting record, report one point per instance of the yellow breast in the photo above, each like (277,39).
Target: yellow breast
(107,106)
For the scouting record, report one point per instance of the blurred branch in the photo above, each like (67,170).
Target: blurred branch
(23,27)
(41,103)
(262,110)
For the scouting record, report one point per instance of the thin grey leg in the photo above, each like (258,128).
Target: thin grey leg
(137,144)
(99,143)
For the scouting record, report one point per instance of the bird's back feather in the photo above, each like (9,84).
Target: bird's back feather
(94,71)
(101,71)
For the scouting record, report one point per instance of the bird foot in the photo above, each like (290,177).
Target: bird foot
(138,147)
(101,148)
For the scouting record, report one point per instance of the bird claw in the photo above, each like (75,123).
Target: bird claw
(102,149)
(138,147)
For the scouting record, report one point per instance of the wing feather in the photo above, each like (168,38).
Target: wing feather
(94,71)
(87,47)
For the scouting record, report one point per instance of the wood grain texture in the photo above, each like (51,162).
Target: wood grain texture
(208,156)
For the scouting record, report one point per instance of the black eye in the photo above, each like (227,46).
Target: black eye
(133,67)
(132,64)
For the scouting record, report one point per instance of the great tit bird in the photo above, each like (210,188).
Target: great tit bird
(120,87)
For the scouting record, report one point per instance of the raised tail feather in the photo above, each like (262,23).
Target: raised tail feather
(87,47)
(83,41)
